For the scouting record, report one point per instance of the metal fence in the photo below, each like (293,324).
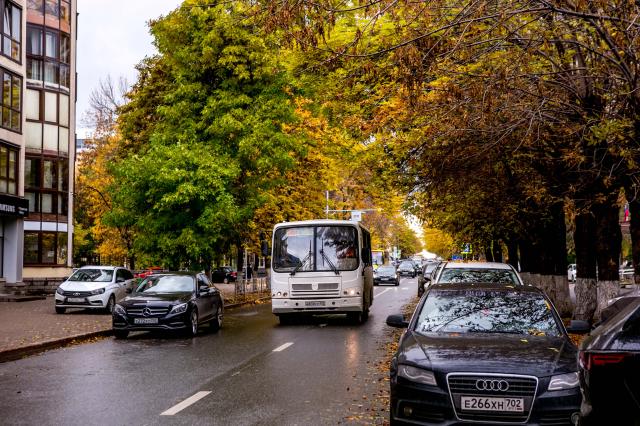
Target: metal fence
(252,285)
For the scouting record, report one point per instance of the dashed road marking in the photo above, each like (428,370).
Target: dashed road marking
(382,292)
(405,288)
(283,347)
(184,404)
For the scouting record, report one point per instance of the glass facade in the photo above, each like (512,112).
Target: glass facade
(11,95)
(9,169)
(48,131)
(11,30)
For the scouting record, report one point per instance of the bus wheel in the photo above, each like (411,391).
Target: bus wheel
(285,319)
(355,317)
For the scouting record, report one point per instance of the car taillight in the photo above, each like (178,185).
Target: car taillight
(234,274)
(588,360)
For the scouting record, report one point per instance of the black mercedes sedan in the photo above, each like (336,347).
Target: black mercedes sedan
(173,301)
(610,367)
(485,353)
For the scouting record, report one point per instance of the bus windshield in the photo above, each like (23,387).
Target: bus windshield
(315,248)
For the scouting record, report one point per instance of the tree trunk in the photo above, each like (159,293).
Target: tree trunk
(608,247)
(496,249)
(512,253)
(586,263)
(634,229)
(488,254)
(240,257)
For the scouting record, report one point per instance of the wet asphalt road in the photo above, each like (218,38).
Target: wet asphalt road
(254,371)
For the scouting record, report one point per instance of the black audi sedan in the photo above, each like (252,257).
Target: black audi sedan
(485,353)
(610,368)
(173,301)
(386,274)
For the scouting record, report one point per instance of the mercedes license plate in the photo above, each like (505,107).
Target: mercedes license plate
(481,403)
(76,299)
(145,320)
(314,303)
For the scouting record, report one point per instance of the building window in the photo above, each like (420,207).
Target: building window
(11,30)
(46,182)
(8,170)
(48,56)
(45,248)
(11,101)
(47,126)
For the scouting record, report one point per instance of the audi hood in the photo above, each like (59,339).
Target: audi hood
(488,353)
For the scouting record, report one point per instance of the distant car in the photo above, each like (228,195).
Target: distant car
(470,272)
(93,287)
(427,271)
(386,274)
(484,353)
(224,274)
(407,267)
(571,272)
(610,366)
(174,301)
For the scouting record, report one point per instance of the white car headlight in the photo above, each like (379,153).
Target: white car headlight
(418,375)
(564,381)
(119,310)
(98,291)
(60,291)
(178,309)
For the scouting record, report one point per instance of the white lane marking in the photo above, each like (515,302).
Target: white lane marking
(382,292)
(184,404)
(405,288)
(283,347)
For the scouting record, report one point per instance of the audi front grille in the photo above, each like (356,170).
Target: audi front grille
(492,385)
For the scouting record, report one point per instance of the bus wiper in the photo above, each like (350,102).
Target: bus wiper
(301,264)
(331,265)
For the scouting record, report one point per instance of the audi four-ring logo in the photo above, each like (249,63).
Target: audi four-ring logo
(492,385)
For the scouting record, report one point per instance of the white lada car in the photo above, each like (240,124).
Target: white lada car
(93,287)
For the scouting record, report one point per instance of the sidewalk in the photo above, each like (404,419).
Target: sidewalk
(33,326)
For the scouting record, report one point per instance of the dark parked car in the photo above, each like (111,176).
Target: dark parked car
(224,274)
(484,353)
(407,267)
(610,367)
(426,276)
(174,301)
(386,274)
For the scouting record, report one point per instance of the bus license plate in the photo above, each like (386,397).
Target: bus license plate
(492,404)
(145,320)
(312,303)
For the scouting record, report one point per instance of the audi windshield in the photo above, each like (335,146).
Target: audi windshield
(485,311)
(470,275)
(315,248)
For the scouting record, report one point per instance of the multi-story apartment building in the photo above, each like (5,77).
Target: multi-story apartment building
(13,205)
(49,132)
(37,138)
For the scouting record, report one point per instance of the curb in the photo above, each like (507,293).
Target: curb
(20,298)
(17,353)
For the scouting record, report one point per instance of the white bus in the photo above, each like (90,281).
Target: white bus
(321,267)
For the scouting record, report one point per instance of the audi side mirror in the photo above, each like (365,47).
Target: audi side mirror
(397,321)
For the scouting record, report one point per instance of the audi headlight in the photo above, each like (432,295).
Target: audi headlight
(417,375)
(178,309)
(564,381)
(119,310)
(98,291)
(60,291)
